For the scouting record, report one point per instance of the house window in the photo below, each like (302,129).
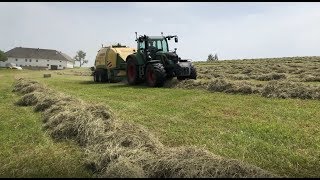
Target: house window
(26,60)
(16,59)
(37,60)
(29,60)
(48,64)
(60,61)
(59,65)
(20,65)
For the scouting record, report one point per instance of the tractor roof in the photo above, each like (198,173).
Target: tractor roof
(156,37)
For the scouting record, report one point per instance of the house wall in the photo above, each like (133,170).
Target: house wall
(31,62)
(69,64)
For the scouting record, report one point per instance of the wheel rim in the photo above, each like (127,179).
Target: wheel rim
(131,72)
(151,76)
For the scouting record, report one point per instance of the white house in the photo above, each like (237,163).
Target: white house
(35,58)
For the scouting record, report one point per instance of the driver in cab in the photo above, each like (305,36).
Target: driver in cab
(151,47)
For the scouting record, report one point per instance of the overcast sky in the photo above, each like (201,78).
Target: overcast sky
(233,30)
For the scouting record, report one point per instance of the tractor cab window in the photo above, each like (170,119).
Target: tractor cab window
(141,45)
(152,45)
(164,45)
(158,45)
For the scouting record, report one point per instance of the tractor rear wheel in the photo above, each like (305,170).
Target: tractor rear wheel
(132,72)
(155,75)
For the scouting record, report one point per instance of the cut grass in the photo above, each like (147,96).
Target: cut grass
(279,135)
(26,150)
(117,148)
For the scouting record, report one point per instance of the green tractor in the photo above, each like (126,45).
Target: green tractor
(154,64)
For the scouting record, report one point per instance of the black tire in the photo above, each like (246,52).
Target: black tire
(155,75)
(101,76)
(104,75)
(170,75)
(94,77)
(180,78)
(132,72)
(193,73)
(169,78)
(97,75)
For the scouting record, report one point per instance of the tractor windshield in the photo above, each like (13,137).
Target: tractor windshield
(158,45)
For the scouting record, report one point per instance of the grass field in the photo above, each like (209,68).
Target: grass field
(26,151)
(295,77)
(278,135)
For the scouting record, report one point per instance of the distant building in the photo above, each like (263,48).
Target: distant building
(35,58)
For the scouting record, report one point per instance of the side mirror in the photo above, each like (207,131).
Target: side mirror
(176,39)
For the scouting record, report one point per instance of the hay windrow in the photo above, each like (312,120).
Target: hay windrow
(286,89)
(24,87)
(115,148)
(123,168)
(192,162)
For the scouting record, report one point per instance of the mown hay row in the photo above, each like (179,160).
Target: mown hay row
(284,89)
(115,148)
(272,89)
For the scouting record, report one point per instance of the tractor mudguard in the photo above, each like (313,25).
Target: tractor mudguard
(133,56)
(138,58)
(153,61)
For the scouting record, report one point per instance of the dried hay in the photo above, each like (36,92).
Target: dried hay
(285,89)
(116,148)
(192,162)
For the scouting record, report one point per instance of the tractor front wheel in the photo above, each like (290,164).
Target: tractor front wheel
(193,73)
(155,75)
(132,72)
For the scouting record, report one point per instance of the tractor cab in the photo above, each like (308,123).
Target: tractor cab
(153,47)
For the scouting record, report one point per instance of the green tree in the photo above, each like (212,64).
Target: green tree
(216,57)
(80,57)
(3,56)
(210,57)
